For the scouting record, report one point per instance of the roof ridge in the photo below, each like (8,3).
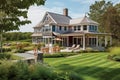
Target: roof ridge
(59,14)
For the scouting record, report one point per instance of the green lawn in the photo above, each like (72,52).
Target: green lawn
(89,66)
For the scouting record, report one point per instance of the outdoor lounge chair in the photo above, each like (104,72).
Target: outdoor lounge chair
(77,47)
(73,46)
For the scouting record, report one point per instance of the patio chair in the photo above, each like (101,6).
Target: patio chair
(46,50)
(43,50)
(73,46)
(57,49)
(53,49)
(77,47)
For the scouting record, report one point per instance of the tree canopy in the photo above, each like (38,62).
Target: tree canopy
(108,17)
(97,10)
(12,10)
(10,13)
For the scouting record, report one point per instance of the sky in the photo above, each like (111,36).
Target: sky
(76,8)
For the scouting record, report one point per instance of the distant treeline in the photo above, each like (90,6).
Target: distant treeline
(15,36)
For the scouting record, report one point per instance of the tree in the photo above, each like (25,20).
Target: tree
(11,11)
(111,21)
(97,10)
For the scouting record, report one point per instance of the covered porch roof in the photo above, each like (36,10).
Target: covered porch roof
(82,33)
(36,34)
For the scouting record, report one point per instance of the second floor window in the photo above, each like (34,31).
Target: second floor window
(84,27)
(92,28)
(65,28)
(60,28)
(53,27)
(75,28)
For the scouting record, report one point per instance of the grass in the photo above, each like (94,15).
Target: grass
(89,66)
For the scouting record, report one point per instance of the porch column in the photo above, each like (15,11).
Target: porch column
(45,40)
(110,40)
(105,41)
(97,41)
(67,41)
(84,42)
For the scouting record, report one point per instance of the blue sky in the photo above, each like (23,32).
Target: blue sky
(77,8)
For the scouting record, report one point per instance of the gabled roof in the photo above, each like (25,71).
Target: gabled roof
(83,20)
(76,21)
(88,20)
(60,19)
(66,20)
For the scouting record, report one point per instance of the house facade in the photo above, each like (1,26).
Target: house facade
(61,28)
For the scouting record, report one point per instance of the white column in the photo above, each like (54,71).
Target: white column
(110,40)
(87,28)
(105,41)
(67,41)
(84,42)
(97,41)
(81,27)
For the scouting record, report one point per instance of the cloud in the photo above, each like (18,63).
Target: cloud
(35,14)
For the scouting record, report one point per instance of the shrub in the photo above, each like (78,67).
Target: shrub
(26,44)
(5,56)
(114,54)
(19,50)
(40,45)
(23,71)
(115,51)
(6,49)
(61,54)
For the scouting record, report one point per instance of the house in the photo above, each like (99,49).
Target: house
(68,31)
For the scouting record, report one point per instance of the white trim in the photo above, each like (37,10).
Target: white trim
(51,17)
(83,42)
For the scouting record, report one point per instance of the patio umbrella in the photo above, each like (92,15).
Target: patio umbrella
(57,39)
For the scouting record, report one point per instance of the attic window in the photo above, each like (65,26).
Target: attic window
(84,27)
(79,27)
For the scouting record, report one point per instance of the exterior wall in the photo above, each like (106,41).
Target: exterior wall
(37,30)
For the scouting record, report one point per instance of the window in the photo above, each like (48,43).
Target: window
(74,28)
(84,27)
(79,27)
(60,27)
(53,27)
(92,28)
(95,28)
(65,28)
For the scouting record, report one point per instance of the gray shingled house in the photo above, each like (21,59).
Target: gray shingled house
(81,31)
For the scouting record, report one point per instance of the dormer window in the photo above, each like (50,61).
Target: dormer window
(84,27)
(79,27)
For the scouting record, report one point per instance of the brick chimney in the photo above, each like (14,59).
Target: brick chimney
(65,12)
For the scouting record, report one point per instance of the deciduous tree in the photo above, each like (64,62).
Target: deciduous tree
(11,11)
